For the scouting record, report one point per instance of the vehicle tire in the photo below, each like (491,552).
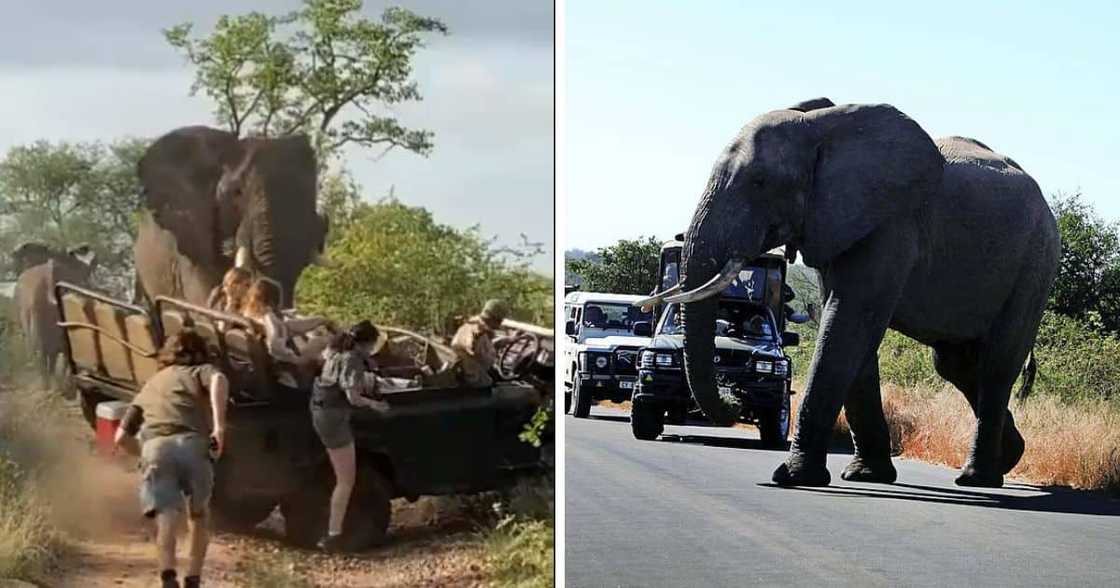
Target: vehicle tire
(241,515)
(581,400)
(567,401)
(646,421)
(677,415)
(773,425)
(88,402)
(367,516)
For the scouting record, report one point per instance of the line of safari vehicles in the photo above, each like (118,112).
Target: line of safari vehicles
(618,350)
(441,437)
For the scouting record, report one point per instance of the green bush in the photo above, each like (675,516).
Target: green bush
(394,264)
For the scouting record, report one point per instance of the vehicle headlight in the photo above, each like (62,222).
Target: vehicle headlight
(645,360)
(781,368)
(764,367)
(664,359)
(601,362)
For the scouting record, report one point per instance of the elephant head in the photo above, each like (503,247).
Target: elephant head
(227,200)
(73,265)
(816,178)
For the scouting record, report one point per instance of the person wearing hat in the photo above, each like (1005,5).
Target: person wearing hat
(347,380)
(474,342)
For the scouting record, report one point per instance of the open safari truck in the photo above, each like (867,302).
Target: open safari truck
(441,438)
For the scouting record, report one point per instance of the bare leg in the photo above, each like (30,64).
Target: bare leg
(198,529)
(166,524)
(344,464)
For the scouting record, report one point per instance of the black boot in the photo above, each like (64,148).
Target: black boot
(168,579)
(191,582)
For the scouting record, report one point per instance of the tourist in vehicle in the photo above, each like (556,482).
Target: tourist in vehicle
(475,343)
(262,305)
(347,380)
(176,412)
(229,296)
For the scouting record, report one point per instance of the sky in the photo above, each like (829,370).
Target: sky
(77,70)
(655,89)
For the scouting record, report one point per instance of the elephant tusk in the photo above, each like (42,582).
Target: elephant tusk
(242,258)
(714,286)
(656,298)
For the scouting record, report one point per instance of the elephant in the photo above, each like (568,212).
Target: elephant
(211,200)
(947,242)
(40,268)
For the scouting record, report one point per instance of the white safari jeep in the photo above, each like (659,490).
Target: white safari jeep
(600,348)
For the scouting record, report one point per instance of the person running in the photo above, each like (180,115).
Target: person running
(474,343)
(347,380)
(180,415)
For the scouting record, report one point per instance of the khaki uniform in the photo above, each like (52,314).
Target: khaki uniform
(474,344)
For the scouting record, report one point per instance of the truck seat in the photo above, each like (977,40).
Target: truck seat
(140,334)
(172,321)
(115,357)
(83,342)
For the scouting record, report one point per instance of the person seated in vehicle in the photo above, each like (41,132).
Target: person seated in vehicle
(262,305)
(180,415)
(475,343)
(229,296)
(594,317)
(756,326)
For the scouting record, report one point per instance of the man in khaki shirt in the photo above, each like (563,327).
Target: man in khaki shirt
(474,343)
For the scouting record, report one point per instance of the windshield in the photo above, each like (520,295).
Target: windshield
(735,319)
(612,316)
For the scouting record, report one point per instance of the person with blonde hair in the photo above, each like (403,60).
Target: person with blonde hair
(229,296)
(262,305)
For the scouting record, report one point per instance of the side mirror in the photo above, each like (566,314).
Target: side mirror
(790,339)
(643,329)
(570,328)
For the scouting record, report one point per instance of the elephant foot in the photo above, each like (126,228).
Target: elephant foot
(877,471)
(976,479)
(801,476)
(1011,450)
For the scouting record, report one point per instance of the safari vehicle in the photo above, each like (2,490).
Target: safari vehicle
(601,351)
(751,363)
(440,438)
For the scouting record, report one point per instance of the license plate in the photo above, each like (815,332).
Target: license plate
(725,389)
(626,385)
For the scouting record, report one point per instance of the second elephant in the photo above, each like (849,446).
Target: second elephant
(210,197)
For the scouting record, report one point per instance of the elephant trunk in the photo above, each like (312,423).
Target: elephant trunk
(715,239)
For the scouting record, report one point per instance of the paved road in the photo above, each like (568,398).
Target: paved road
(695,508)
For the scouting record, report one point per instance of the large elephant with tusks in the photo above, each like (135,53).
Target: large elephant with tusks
(211,199)
(945,241)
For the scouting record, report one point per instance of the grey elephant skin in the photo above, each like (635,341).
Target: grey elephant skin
(208,194)
(945,241)
(40,268)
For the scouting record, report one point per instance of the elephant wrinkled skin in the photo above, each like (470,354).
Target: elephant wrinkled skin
(946,241)
(208,195)
(40,268)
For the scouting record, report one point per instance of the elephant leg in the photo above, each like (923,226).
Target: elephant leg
(863,286)
(958,364)
(870,434)
(1001,355)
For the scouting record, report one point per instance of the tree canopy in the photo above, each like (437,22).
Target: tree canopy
(627,267)
(65,194)
(1088,281)
(324,70)
(393,263)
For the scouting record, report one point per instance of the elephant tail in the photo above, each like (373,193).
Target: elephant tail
(1030,370)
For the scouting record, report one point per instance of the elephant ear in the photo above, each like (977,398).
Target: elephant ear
(29,255)
(873,164)
(179,173)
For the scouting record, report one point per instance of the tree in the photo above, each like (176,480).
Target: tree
(64,194)
(393,263)
(1088,280)
(627,267)
(323,70)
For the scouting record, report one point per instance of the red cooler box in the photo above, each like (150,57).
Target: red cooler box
(109,415)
